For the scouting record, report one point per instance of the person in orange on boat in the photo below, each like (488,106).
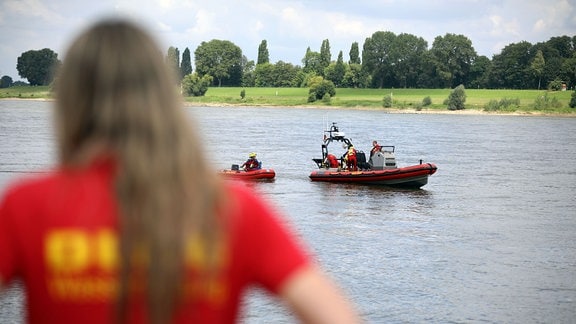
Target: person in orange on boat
(375,148)
(351,161)
(252,164)
(332,161)
(124,230)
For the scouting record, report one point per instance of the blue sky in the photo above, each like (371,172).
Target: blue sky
(288,26)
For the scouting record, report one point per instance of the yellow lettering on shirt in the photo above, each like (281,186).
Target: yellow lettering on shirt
(83,289)
(75,251)
(67,251)
(106,250)
(82,266)
(196,256)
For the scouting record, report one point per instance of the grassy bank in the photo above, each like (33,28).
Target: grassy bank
(403,99)
(408,99)
(26,92)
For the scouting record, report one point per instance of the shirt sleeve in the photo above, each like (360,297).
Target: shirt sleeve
(274,248)
(7,240)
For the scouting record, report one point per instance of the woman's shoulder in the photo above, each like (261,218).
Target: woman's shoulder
(247,201)
(239,190)
(29,182)
(41,182)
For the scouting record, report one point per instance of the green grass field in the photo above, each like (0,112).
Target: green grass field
(476,99)
(26,92)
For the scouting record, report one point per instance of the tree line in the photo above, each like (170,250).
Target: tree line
(385,60)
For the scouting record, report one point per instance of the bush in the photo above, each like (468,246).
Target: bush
(457,98)
(555,85)
(573,100)
(544,102)
(242,93)
(427,101)
(326,99)
(193,85)
(311,96)
(320,88)
(387,101)
(505,104)
(6,82)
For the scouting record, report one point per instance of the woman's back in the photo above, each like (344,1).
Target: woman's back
(64,227)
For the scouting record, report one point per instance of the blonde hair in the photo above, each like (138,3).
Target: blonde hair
(114,91)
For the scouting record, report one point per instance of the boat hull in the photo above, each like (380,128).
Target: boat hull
(261,174)
(414,176)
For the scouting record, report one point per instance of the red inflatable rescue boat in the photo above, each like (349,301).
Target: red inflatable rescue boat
(380,169)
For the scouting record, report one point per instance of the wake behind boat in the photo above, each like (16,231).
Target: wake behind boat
(380,169)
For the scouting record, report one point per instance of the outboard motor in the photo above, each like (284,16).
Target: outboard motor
(361,160)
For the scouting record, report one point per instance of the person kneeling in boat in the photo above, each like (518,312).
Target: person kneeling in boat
(331,161)
(252,164)
(351,161)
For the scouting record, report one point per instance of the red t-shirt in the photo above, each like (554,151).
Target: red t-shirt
(58,234)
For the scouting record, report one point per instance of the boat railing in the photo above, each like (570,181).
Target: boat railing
(318,162)
(387,148)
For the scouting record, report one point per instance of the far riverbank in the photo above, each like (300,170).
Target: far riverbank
(404,110)
(390,110)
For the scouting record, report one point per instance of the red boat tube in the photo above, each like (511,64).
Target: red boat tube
(260,174)
(414,176)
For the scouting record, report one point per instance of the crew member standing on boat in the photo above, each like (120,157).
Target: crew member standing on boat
(351,161)
(252,163)
(375,148)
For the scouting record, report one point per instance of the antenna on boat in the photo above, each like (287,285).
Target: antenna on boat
(324,123)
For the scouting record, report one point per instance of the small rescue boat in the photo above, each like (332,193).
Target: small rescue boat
(381,168)
(259,174)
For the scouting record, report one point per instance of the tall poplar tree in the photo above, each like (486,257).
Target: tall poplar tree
(538,65)
(325,56)
(173,61)
(354,54)
(263,55)
(339,70)
(186,64)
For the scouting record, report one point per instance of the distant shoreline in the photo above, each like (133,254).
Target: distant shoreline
(383,110)
(392,110)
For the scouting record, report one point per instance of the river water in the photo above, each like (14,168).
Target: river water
(490,238)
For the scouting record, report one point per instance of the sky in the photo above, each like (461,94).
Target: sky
(288,26)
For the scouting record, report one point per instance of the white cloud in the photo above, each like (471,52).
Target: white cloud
(346,26)
(203,24)
(31,9)
(257,26)
(165,4)
(297,22)
(503,28)
(163,26)
(539,26)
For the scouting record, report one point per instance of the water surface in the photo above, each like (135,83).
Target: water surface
(491,237)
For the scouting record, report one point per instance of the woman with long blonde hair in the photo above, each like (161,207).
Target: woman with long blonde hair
(132,226)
